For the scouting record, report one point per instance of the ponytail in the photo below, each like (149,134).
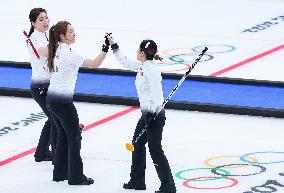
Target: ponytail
(157,57)
(54,38)
(31,30)
(52,46)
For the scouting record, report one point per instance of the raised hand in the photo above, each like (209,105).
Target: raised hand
(105,46)
(106,39)
(110,39)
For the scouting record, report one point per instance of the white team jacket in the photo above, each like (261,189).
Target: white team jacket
(40,72)
(148,82)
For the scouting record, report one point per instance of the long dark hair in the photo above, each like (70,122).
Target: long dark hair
(54,38)
(149,47)
(34,13)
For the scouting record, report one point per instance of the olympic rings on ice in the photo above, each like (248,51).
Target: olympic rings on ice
(222,172)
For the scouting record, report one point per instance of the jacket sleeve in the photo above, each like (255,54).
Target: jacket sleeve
(131,65)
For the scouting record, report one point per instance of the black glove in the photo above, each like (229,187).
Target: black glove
(149,117)
(106,44)
(114,46)
(106,39)
(105,48)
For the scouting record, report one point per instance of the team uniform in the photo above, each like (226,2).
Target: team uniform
(39,85)
(150,93)
(68,162)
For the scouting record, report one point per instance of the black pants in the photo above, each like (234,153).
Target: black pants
(68,162)
(49,132)
(153,136)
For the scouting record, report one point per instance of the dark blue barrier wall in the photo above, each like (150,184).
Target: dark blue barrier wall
(235,94)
